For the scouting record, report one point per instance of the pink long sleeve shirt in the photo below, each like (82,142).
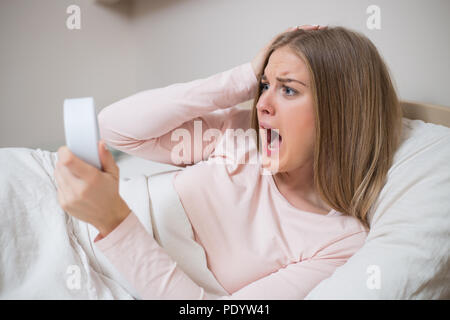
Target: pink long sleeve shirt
(257,244)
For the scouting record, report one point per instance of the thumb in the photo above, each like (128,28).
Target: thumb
(106,158)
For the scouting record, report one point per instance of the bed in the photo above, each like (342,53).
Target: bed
(46,254)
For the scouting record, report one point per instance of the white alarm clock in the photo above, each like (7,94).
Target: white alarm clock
(81,130)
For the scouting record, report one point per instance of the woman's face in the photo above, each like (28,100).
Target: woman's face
(286,104)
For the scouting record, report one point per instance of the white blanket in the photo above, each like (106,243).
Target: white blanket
(45,253)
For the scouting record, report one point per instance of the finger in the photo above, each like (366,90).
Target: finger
(72,185)
(77,167)
(307,27)
(107,160)
(70,180)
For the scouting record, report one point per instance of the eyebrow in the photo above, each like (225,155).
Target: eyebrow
(284,80)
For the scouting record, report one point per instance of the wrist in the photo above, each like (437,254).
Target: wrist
(115,220)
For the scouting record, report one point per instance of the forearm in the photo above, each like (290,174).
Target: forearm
(140,259)
(152,113)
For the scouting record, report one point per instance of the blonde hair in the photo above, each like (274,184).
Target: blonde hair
(358,118)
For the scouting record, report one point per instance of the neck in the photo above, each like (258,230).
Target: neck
(300,182)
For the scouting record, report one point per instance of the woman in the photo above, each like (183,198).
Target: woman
(328,95)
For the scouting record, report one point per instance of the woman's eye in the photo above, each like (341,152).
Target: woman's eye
(264,86)
(289,91)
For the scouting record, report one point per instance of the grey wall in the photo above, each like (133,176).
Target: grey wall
(42,63)
(180,40)
(136,45)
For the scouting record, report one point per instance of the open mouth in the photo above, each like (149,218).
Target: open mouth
(273,139)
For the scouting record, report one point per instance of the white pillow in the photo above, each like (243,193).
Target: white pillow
(406,254)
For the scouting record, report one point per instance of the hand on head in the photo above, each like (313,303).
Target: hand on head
(258,60)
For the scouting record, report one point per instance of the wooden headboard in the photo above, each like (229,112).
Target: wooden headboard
(412,110)
(426,112)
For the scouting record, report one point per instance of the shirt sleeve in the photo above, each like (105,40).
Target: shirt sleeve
(154,274)
(296,280)
(151,124)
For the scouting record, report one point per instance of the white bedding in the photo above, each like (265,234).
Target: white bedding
(42,252)
(407,252)
(47,254)
(40,245)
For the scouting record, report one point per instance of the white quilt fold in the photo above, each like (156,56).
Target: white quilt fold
(47,254)
(42,252)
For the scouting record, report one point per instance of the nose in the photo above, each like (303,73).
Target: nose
(265,105)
